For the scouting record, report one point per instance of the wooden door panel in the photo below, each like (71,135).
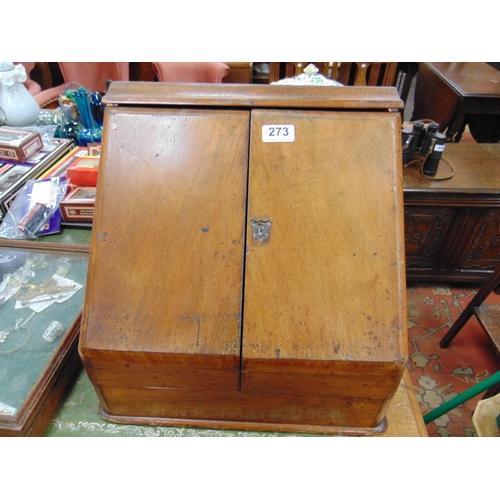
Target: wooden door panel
(482,250)
(328,283)
(426,230)
(171,282)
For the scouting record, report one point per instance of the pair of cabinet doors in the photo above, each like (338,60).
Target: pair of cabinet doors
(247,265)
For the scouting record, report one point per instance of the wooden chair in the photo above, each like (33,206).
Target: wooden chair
(91,75)
(347,73)
(488,316)
(375,74)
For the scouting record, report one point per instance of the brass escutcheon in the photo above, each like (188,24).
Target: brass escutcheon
(260,229)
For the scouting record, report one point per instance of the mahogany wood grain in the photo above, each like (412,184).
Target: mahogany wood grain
(241,406)
(166,258)
(239,72)
(452,225)
(434,99)
(302,285)
(447,92)
(476,175)
(488,316)
(182,300)
(255,96)
(361,73)
(476,302)
(142,72)
(404,419)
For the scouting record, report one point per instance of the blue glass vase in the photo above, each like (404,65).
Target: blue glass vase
(97,107)
(91,131)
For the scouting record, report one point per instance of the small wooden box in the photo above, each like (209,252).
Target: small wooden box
(84,171)
(78,205)
(255,277)
(18,145)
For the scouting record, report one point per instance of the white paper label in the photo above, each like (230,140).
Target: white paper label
(439,147)
(278,133)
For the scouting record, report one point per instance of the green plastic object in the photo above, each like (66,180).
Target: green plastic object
(462,398)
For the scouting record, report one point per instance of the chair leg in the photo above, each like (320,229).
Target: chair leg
(492,282)
(492,391)
(457,326)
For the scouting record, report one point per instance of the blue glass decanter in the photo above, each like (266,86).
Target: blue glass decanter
(91,131)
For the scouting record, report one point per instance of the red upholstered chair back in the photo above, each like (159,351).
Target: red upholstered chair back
(191,72)
(94,75)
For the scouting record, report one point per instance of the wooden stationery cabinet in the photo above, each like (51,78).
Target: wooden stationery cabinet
(247,257)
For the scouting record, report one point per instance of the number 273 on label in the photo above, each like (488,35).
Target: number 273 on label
(278,133)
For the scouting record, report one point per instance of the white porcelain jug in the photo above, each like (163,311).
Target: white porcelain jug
(18,107)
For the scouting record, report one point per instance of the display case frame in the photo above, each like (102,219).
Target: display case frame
(51,367)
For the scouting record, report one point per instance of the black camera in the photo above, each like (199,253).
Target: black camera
(424,141)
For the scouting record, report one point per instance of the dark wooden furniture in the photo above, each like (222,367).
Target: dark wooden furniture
(227,291)
(488,315)
(447,92)
(347,73)
(142,72)
(452,227)
(239,72)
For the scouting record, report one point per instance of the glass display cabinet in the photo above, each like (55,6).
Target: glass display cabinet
(41,298)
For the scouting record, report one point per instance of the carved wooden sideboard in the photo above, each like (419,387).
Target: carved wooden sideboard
(452,227)
(247,257)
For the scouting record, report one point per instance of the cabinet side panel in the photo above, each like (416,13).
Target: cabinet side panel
(328,281)
(166,254)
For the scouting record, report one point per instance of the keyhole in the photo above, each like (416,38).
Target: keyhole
(260,229)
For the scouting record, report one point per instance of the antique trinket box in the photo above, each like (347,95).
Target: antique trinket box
(18,145)
(84,171)
(255,277)
(78,205)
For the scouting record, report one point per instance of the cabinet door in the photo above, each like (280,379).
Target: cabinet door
(165,291)
(324,289)
(482,249)
(426,231)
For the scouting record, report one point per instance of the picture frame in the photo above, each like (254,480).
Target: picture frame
(40,317)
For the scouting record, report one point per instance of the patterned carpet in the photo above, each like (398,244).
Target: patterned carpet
(440,374)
